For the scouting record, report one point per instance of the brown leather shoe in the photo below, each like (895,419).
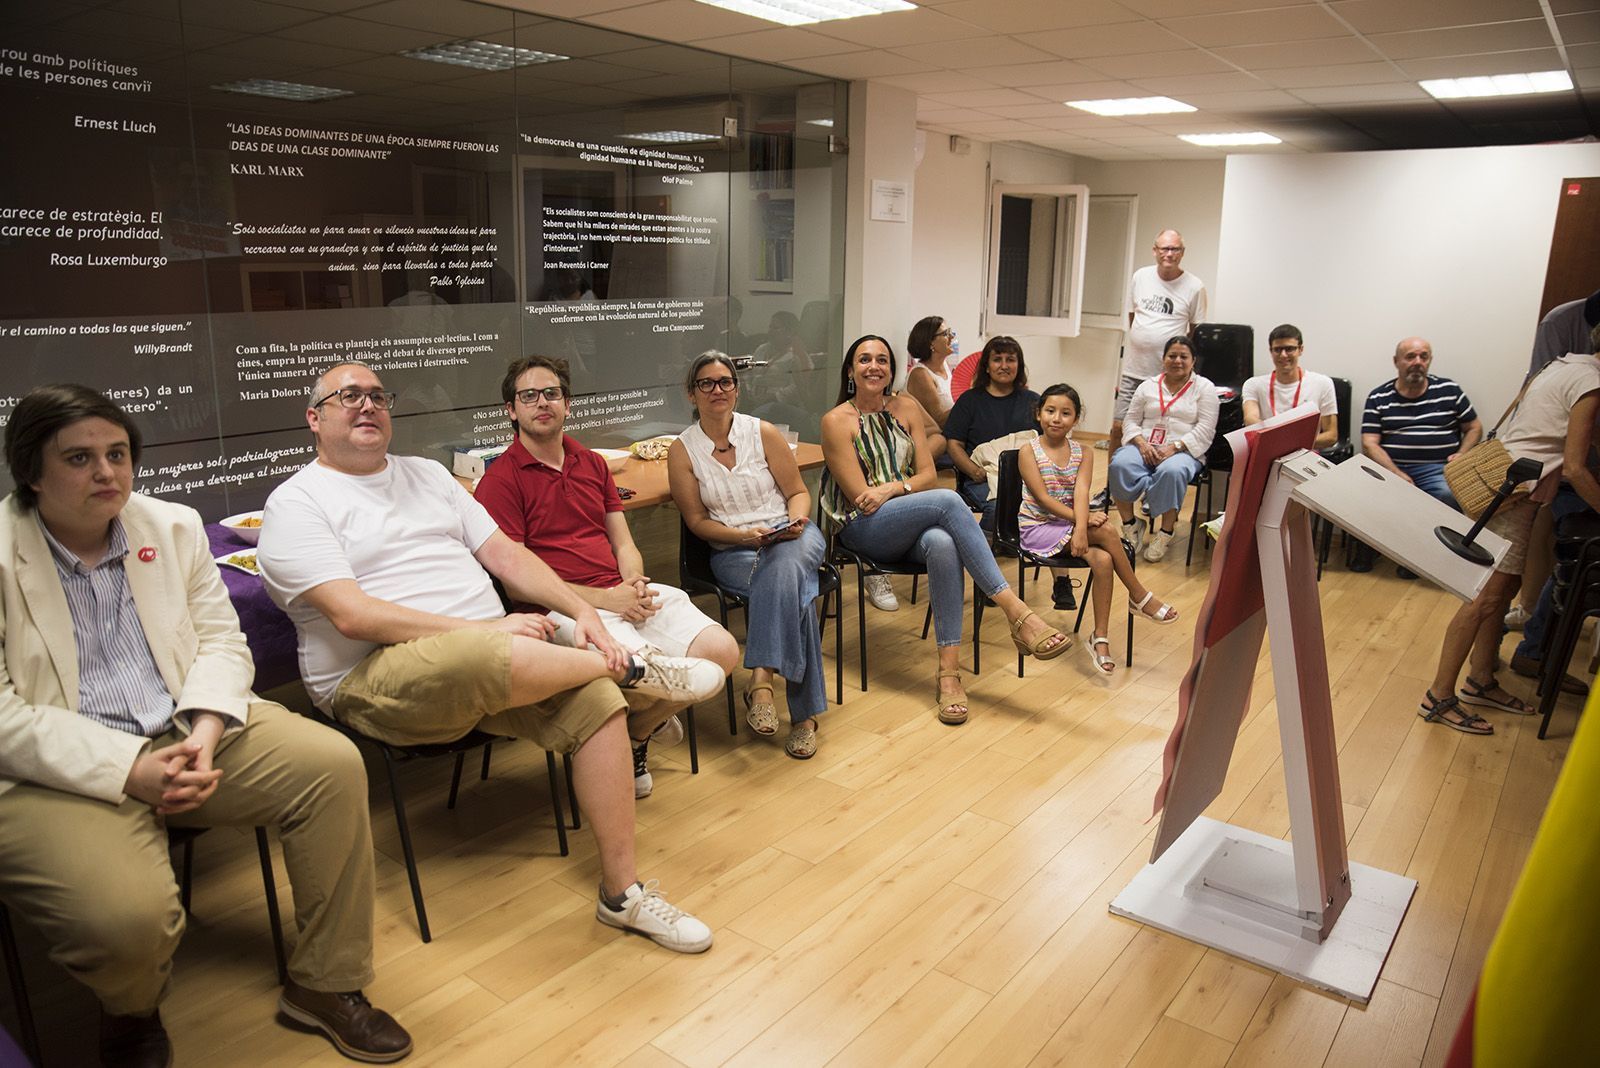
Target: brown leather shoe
(1528,667)
(355,1028)
(134,1041)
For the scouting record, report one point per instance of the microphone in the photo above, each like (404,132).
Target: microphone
(1465,545)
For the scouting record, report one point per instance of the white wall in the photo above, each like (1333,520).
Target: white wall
(1362,249)
(949,221)
(878,281)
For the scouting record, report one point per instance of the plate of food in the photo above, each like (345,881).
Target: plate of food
(615,459)
(653,448)
(243,560)
(246,524)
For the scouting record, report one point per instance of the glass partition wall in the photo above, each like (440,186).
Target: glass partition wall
(208,201)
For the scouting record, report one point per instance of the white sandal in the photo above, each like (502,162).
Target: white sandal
(1167,614)
(1102,661)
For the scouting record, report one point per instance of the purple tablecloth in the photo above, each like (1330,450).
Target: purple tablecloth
(266,628)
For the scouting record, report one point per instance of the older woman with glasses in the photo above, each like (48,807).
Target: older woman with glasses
(931,344)
(735,480)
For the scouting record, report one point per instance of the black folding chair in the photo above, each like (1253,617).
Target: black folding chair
(1008,503)
(696,577)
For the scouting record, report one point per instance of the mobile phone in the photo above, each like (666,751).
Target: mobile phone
(773,534)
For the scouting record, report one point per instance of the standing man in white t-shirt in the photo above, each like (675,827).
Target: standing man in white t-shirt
(1289,385)
(1165,300)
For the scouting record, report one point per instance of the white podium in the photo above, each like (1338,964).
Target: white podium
(1299,907)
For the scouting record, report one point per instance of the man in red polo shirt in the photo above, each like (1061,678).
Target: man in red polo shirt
(556,497)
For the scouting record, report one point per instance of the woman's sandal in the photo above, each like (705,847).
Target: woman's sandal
(1103,661)
(1164,615)
(1040,648)
(1477,693)
(802,741)
(1448,711)
(762,715)
(952,706)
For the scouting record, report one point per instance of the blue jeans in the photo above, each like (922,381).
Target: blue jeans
(976,494)
(1567,503)
(780,582)
(936,529)
(1429,478)
(1163,486)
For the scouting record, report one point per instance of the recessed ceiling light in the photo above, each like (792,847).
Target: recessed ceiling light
(281,90)
(1544,81)
(804,12)
(675,137)
(1132,105)
(483,55)
(821,122)
(1216,140)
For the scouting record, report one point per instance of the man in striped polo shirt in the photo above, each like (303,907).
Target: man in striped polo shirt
(1419,422)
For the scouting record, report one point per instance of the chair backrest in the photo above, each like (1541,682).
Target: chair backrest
(1341,397)
(1230,417)
(694,558)
(1008,500)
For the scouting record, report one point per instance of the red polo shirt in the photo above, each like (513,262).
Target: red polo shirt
(560,515)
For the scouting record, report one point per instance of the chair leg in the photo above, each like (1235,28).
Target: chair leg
(694,743)
(1022,592)
(19,989)
(978,600)
(455,779)
(914,591)
(927,619)
(1324,546)
(861,624)
(838,642)
(1194,528)
(405,846)
(733,716)
(555,801)
(488,749)
(269,883)
(186,886)
(572,791)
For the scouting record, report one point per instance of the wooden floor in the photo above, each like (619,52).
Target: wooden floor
(915,894)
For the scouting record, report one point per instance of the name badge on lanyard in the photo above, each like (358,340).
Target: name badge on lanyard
(1158,433)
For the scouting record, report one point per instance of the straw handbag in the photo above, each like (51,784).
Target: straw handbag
(1475,475)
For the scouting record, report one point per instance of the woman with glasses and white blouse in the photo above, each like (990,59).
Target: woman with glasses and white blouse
(736,482)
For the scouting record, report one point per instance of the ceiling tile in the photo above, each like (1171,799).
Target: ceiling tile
(1579,29)
(934,81)
(1080,122)
(1584,55)
(369,36)
(1200,83)
(1157,64)
(568,9)
(1085,91)
(1563,7)
(1362,94)
(1588,78)
(1258,27)
(1248,100)
(1119,39)
(896,29)
(1040,110)
(857,66)
(453,20)
(939,113)
(1326,51)
(573,38)
(1522,62)
(974,52)
(1031,16)
(1385,16)
(993,127)
(1464,40)
(1343,74)
(982,98)
(1171,9)
(776,45)
(678,20)
(1056,72)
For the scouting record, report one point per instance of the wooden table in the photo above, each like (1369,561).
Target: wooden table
(648,478)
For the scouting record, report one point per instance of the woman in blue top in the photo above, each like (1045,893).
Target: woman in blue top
(998,403)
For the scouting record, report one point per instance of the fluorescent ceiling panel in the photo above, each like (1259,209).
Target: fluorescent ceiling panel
(281,90)
(1218,140)
(670,137)
(804,12)
(484,55)
(1544,81)
(1132,105)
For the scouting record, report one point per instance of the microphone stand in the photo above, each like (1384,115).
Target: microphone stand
(1465,545)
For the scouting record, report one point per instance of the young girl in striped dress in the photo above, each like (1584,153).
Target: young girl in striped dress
(1055,518)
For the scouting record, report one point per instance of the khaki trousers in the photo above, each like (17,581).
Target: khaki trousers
(95,879)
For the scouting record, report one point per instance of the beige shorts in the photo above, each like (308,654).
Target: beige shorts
(1513,522)
(436,689)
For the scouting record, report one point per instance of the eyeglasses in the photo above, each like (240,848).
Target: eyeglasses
(350,397)
(551,394)
(720,385)
(1285,350)
(1169,249)
(945,333)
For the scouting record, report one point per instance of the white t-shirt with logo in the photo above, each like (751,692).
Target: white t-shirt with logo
(405,534)
(1161,309)
(1314,388)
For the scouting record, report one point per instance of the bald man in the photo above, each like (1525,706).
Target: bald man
(1164,300)
(1419,422)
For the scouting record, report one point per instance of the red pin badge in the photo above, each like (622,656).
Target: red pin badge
(147,554)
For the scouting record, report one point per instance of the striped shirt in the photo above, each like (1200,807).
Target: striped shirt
(886,453)
(1421,430)
(119,685)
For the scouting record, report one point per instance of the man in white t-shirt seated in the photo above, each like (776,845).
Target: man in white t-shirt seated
(1165,301)
(1289,385)
(383,564)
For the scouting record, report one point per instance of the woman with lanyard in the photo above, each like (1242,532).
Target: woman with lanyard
(1288,385)
(878,491)
(735,480)
(1166,433)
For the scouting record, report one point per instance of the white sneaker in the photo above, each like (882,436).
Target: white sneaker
(646,912)
(681,680)
(1517,618)
(643,784)
(669,734)
(1133,533)
(1156,551)
(881,593)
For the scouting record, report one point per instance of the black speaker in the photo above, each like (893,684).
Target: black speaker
(1223,353)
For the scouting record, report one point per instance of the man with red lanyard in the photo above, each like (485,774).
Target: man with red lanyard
(1289,385)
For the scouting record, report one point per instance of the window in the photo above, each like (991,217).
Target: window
(1037,242)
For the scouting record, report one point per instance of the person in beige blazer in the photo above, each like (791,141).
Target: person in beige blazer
(125,707)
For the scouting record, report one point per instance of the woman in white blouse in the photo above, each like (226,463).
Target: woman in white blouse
(1169,426)
(738,486)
